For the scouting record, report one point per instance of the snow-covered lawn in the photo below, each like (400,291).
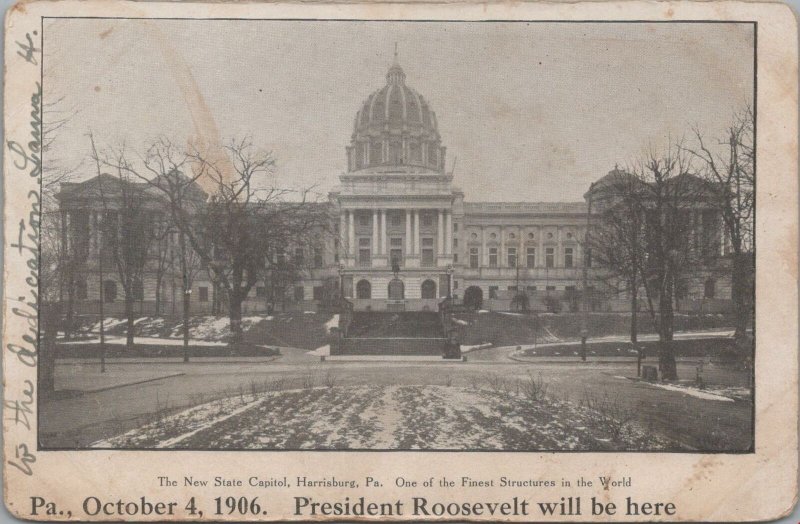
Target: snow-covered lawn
(387,417)
(149,341)
(208,328)
(216,328)
(692,392)
(710,392)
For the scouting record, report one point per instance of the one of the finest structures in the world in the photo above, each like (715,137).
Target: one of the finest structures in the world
(404,237)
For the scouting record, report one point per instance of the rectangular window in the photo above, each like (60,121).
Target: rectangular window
(427,220)
(455,227)
(512,288)
(492,257)
(530,290)
(567,257)
(455,258)
(492,291)
(396,220)
(299,293)
(455,284)
(364,258)
(531,257)
(396,256)
(396,242)
(336,250)
(261,292)
(363,220)
(512,257)
(550,257)
(318,292)
(550,288)
(455,242)
(299,256)
(364,242)
(203,292)
(318,257)
(588,256)
(474,259)
(427,251)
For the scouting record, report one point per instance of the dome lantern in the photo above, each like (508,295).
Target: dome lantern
(396,75)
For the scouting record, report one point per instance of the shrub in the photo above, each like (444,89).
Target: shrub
(534,388)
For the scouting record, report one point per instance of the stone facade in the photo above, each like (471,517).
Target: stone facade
(405,238)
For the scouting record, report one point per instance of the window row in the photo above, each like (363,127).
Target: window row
(568,259)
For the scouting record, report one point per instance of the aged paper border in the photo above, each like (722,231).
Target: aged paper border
(708,487)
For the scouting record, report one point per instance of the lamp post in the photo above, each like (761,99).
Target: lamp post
(450,286)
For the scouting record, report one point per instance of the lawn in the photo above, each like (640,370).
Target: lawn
(510,328)
(500,416)
(704,347)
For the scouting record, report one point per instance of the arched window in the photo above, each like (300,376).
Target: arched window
(109,291)
(428,289)
(710,290)
(396,289)
(363,289)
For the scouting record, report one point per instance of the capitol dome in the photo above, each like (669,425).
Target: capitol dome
(395,127)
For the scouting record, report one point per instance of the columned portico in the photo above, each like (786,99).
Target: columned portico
(397,197)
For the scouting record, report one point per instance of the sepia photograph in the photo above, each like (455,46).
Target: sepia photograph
(517,236)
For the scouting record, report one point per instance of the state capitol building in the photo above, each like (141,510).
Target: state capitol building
(406,237)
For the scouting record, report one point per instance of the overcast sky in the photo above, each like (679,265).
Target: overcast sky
(532,111)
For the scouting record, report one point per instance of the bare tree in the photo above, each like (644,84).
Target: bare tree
(184,201)
(127,227)
(730,171)
(668,193)
(246,220)
(617,240)
(238,226)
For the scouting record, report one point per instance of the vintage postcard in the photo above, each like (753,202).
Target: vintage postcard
(496,262)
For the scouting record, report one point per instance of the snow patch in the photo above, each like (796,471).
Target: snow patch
(697,393)
(467,349)
(332,323)
(322,351)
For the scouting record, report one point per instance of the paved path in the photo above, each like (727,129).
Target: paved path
(93,416)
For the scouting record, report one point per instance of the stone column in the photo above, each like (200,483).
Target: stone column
(502,256)
(408,232)
(522,253)
(344,245)
(448,235)
(383,232)
(375,246)
(559,250)
(483,259)
(351,244)
(417,250)
(540,261)
(440,233)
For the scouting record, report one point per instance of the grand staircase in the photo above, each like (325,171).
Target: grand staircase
(413,333)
